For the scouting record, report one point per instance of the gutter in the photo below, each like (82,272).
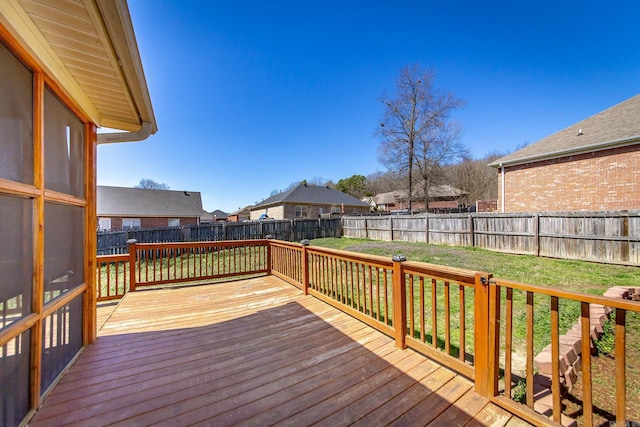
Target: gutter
(117,22)
(140,135)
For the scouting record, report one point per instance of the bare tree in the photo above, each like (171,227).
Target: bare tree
(478,180)
(416,130)
(151,184)
(384,182)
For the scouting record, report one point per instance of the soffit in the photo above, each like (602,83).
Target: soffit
(88,48)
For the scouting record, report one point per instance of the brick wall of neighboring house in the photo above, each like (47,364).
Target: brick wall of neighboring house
(274,212)
(400,205)
(164,222)
(116,222)
(288,211)
(314,211)
(601,180)
(443,204)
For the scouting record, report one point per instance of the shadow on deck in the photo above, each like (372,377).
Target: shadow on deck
(254,352)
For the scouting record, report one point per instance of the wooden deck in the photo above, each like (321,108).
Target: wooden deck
(254,352)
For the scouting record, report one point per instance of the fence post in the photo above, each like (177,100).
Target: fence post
(292,236)
(132,264)
(472,236)
(391,227)
(399,301)
(624,232)
(426,231)
(305,266)
(366,230)
(269,237)
(536,233)
(485,337)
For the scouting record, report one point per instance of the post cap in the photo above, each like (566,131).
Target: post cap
(132,242)
(268,236)
(304,242)
(398,258)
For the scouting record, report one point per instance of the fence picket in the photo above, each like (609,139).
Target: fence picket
(114,242)
(607,236)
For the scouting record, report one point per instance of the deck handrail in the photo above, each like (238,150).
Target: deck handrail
(455,316)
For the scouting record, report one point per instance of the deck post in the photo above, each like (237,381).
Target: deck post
(269,252)
(485,357)
(132,264)
(305,266)
(399,301)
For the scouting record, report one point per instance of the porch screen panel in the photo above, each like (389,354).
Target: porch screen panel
(16,258)
(61,340)
(63,249)
(63,148)
(16,119)
(14,373)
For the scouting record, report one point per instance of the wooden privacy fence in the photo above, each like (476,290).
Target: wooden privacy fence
(115,241)
(463,319)
(611,237)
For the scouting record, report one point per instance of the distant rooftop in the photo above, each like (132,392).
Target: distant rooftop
(143,202)
(311,194)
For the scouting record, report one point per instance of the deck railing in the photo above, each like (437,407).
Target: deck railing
(570,346)
(112,280)
(463,319)
(153,264)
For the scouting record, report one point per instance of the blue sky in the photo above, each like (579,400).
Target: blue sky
(251,96)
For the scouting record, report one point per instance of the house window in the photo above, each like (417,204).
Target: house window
(301,211)
(104,223)
(174,222)
(336,210)
(130,223)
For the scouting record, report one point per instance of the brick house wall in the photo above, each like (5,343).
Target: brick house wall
(314,211)
(116,222)
(443,204)
(274,212)
(600,180)
(402,205)
(288,211)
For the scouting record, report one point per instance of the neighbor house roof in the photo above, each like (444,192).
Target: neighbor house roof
(143,202)
(614,127)
(241,211)
(311,194)
(435,192)
(89,49)
(218,214)
(390,198)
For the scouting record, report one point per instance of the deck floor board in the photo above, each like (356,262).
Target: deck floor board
(252,352)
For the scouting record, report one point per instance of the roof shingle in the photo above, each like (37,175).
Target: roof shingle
(615,126)
(144,202)
(311,194)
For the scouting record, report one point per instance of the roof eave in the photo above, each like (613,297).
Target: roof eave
(600,146)
(120,28)
(114,29)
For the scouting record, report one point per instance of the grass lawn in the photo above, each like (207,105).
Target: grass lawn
(570,275)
